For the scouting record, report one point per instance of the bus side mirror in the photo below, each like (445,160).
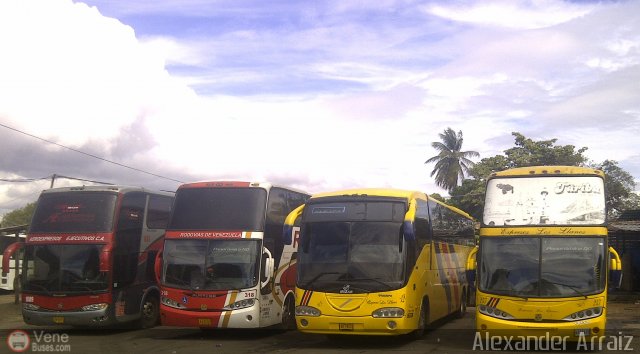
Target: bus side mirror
(470,267)
(7,254)
(615,269)
(267,267)
(157,267)
(288,232)
(407,225)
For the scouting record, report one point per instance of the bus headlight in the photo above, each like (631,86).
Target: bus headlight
(171,303)
(30,307)
(95,307)
(242,304)
(494,312)
(307,311)
(584,314)
(388,312)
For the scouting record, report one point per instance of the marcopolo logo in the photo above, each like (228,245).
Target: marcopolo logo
(18,341)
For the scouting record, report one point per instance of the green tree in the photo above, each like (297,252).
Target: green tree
(619,185)
(527,152)
(21,216)
(451,164)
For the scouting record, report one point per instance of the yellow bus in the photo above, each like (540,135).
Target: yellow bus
(379,262)
(543,258)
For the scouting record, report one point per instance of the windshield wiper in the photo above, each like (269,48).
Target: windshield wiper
(377,280)
(568,286)
(305,285)
(39,286)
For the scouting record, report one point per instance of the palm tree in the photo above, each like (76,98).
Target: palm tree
(451,163)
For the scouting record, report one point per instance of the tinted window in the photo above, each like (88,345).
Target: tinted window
(74,212)
(219,209)
(159,212)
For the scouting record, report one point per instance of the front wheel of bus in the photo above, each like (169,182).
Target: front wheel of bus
(418,333)
(289,314)
(150,312)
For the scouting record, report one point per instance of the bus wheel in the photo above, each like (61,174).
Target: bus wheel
(289,314)
(463,305)
(418,333)
(150,312)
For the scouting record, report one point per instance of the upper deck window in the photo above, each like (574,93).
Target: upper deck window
(74,212)
(556,200)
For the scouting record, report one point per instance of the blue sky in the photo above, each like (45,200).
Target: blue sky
(318,95)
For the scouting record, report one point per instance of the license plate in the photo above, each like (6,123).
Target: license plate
(582,331)
(58,320)
(345,326)
(204,321)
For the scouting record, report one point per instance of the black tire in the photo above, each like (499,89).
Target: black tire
(150,312)
(289,314)
(418,333)
(462,310)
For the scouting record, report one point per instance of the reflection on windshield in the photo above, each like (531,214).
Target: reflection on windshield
(211,264)
(364,255)
(568,267)
(55,268)
(570,200)
(74,212)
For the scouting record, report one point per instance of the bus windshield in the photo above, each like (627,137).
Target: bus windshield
(211,264)
(365,255)
(542,266)
(74,212)
(569,200)
(63,268)
(219,209)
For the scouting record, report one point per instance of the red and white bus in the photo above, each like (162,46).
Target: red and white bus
(89,256)
(225,262)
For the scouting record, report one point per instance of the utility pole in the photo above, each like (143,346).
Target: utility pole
(53,179)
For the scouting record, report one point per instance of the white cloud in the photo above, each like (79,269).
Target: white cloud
(521,14)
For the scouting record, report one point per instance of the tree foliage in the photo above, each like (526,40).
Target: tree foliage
(21,216)
(526,152)
(619,185)
(451,163)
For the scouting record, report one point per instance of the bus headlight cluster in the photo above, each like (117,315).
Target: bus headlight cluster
(171,303)
(584,314)
(95,307)
(30,307)
(307,311)
(494,312)
(242,304)
(388,312)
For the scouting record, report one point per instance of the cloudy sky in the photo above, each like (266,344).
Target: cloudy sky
(318,95)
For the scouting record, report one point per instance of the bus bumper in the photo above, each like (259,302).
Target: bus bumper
(70,318)
(243,318)
(365,325)
(576,331)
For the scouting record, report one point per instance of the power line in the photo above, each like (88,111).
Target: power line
(88,154)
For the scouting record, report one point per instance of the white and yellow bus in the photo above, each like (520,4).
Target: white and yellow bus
(543,258)
(379,262)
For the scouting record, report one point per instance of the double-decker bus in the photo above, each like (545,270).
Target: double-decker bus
(380,262)
(225,263)
(543,257)
(89,256)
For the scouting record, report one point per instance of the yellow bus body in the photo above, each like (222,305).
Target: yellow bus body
(438,275)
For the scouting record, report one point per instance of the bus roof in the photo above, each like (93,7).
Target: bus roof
(548,170)
(236,184)
(387,192)
(108,188)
